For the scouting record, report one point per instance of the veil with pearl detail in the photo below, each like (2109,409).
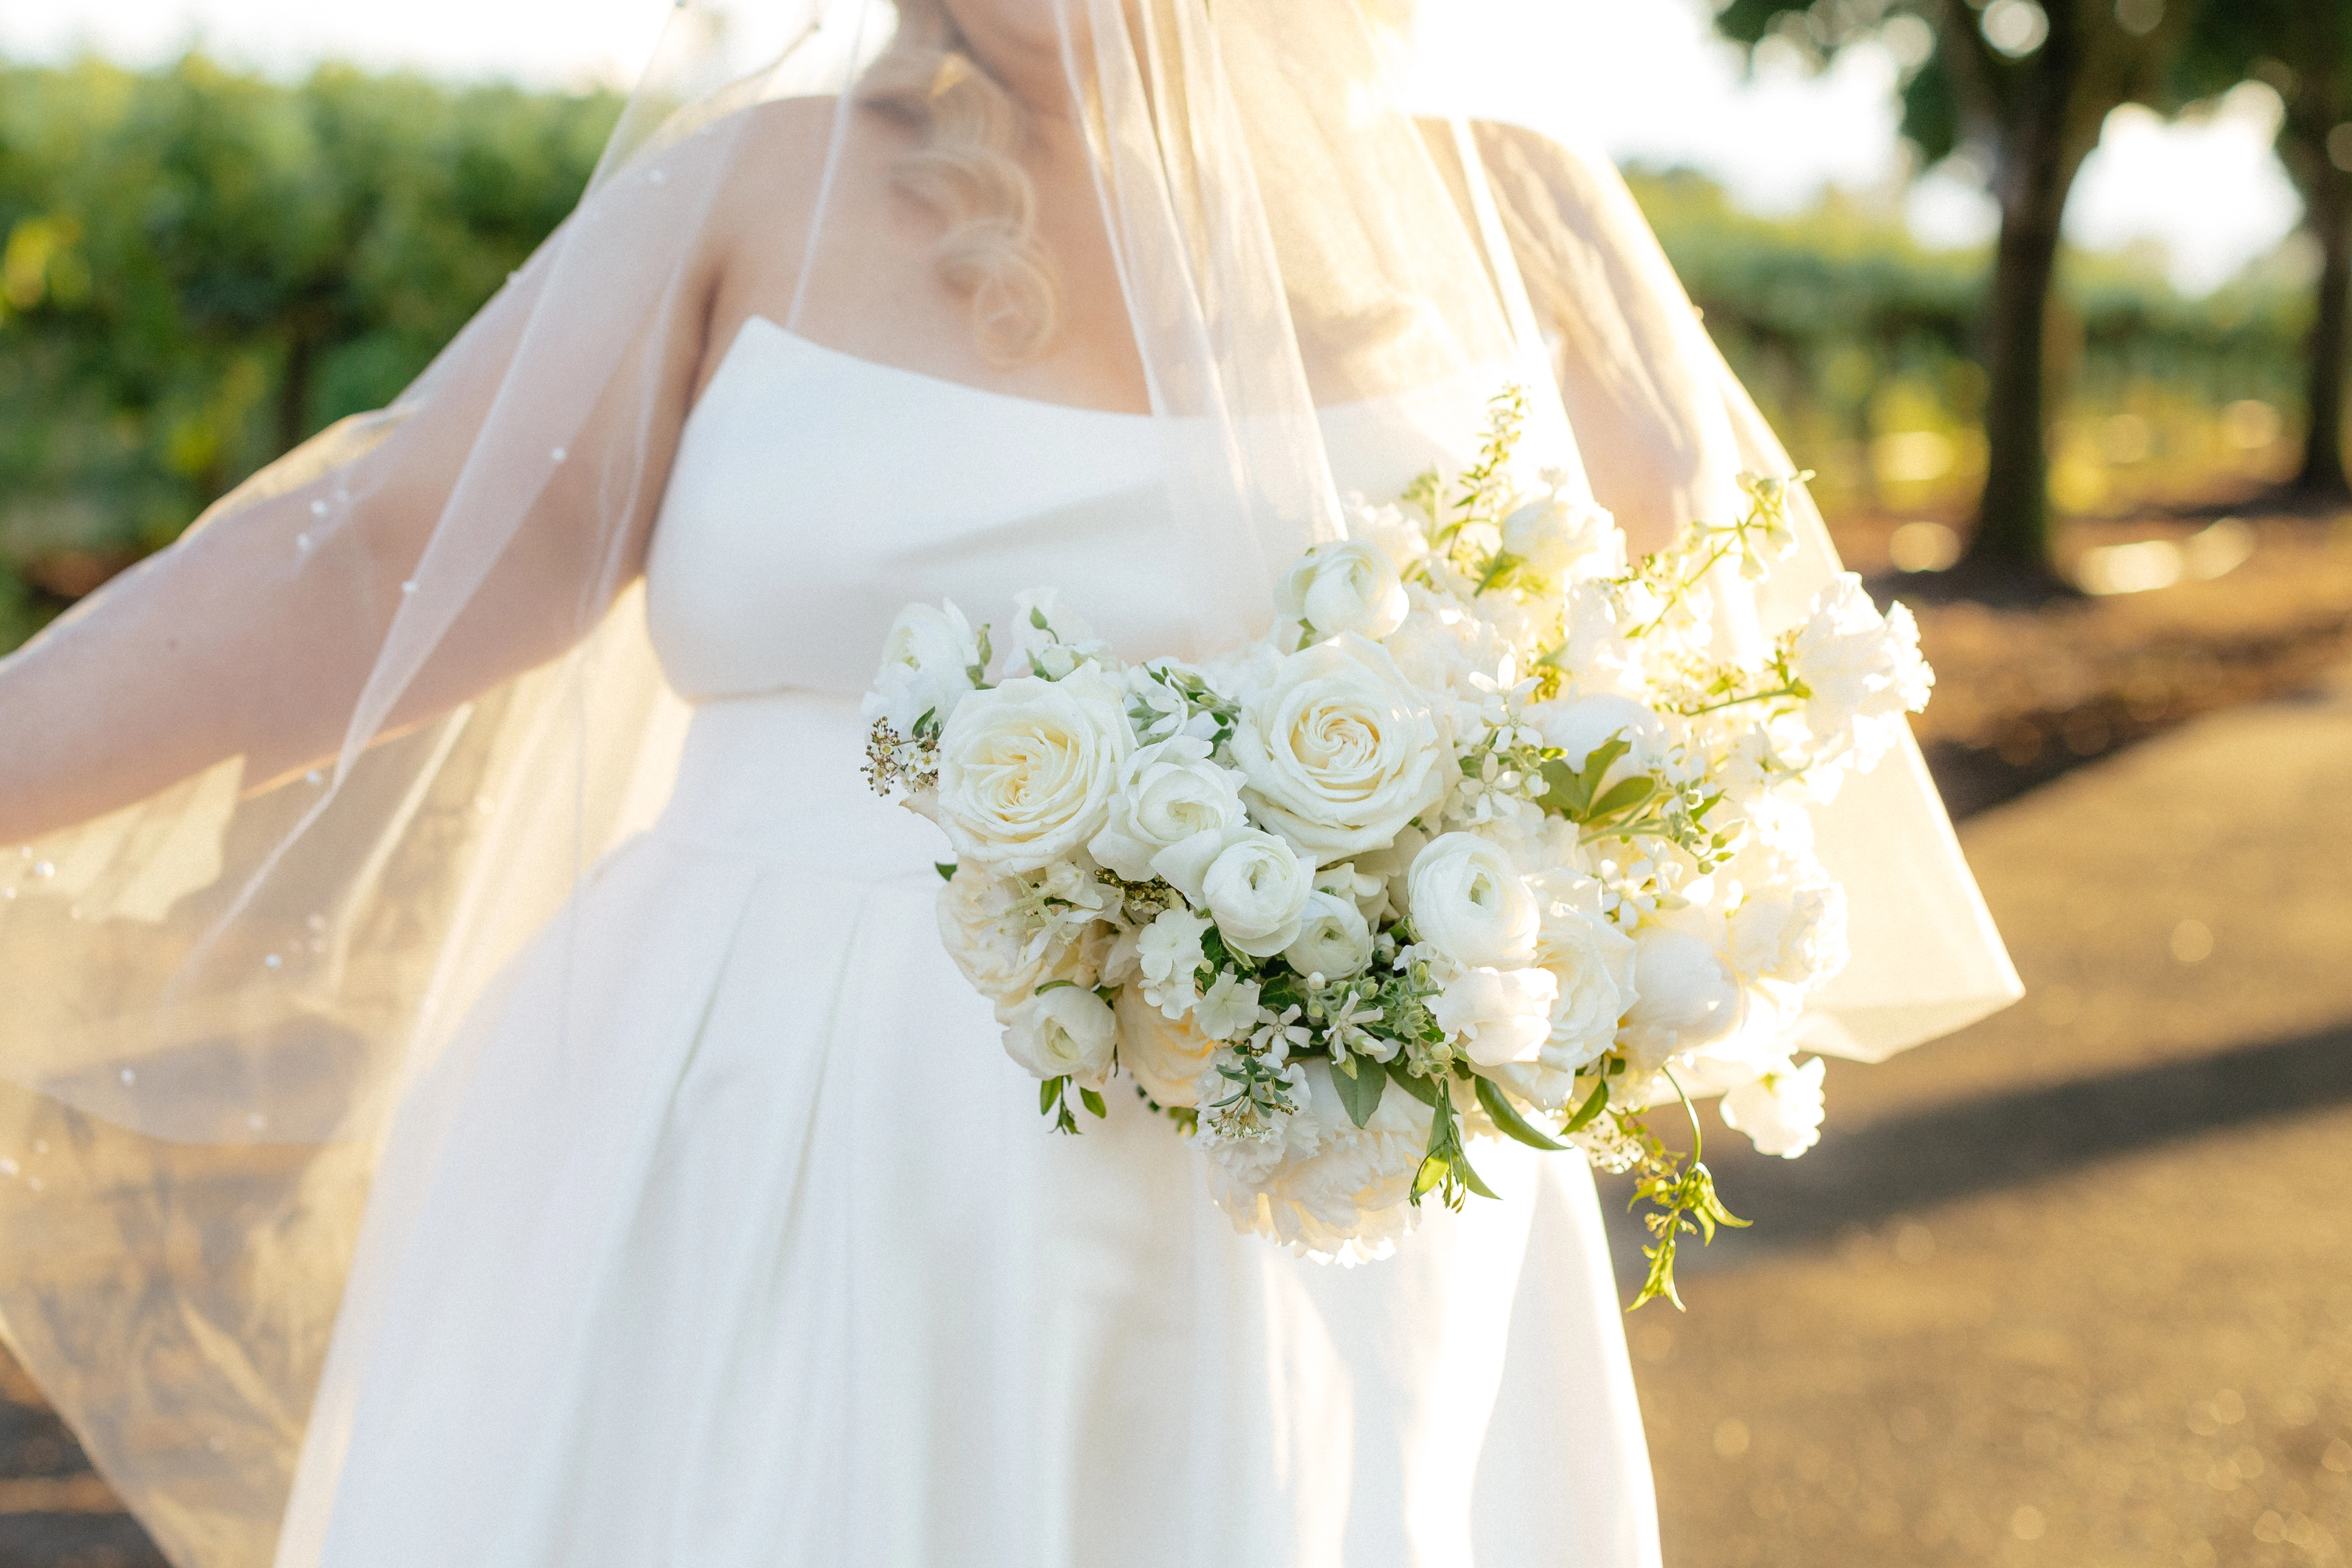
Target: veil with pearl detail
(369,725)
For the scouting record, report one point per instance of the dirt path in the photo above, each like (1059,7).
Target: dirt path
(2075,1287)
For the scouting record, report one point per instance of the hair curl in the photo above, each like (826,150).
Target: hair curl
(969,172)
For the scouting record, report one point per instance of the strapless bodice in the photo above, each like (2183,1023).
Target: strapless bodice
(815,494)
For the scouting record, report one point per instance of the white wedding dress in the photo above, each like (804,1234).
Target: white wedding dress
(726,1235)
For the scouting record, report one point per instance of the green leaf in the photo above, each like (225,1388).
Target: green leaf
(1501,567)
(1037,619)
(1564,791)
(1470,1177)
(1600,760)
(1625,796)
(1360,1092)
(1054,986)
(1049,1090)
(1420,1088)
(1093,1102)
(947,869)
(1591,1107)
(1506,1116)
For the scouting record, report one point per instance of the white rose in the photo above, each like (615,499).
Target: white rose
(1165,1054)
(987,928)
(1500,1015)
(1688,997)
(1794,936)
(1256,891)
(1334,941)
(1470,904)
(1168,956)
(1028,769)
(1347,587)
(1781,1112)
(1067,1030)
(1169,793)
(1339,751)
(927,662)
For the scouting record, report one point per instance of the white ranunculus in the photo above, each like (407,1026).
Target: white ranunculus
(1688,997)
(1469,903)
(1781,1112)
(1027,770)
(1501,1015)
(1339,751)
(1594,963)
(1351,586)
(1793,937)
(988,925)
(1334,941)
(1862,669)
(1169,955)
(1169,793)
(1067,1031)
(1165,1054)
(1256,891)
(1228,1007)
(928,660)
(1369,892)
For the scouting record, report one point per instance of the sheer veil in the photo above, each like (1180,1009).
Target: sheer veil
(418,702)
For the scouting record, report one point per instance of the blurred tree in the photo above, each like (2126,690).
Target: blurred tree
(198,269)
(2303,49)
(2031,86)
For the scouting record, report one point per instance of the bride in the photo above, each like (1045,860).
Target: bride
(482,1082)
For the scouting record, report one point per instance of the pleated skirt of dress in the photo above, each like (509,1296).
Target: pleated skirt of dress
(725,1236)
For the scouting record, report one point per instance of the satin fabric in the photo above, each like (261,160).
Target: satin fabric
(726,1235)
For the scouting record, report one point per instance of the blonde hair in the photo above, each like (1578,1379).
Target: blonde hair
(969,172)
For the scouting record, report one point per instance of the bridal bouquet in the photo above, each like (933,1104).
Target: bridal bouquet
(1490,837)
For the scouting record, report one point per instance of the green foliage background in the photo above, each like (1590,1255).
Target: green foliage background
(198,269)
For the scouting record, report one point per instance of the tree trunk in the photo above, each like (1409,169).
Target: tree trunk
(2323,448)
(2013,516)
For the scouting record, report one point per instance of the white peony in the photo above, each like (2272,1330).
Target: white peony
(1791,936)
(1469,903)
(1350,586)
(993,928)
(1579,725)
(928,660)
(1164,1054)
(1067,1030)
(1027,772)
(1500,1015)
(1169,793)
(1862,671)
(1325,1188)
(1048,640)
(1553,536)
(1334,941)
(1168,956)
(1256,890)
(1339,751)
(1781,1112)
(1688,997)
(1392,532)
